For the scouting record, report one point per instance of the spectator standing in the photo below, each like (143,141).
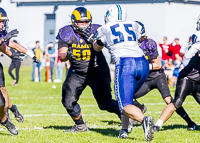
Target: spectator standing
(176,50)
(50,51)
(36,76)
(166,50)
(15,64)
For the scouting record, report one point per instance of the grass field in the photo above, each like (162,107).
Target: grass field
(46,119)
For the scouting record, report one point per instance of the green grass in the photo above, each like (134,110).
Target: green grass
(46,119)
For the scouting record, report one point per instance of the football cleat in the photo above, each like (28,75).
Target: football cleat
(10,126)
(147,124)
(192,126)
(155,128)
(18,116)
(78,128)
(123,134)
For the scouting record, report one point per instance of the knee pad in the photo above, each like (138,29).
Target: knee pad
(75,112)
(2,100)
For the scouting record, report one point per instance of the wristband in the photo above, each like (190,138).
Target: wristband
(29,53)
(150,67)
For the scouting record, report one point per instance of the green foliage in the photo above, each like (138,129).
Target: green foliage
(46,119)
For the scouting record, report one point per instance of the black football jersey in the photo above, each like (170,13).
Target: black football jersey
(86,58)
(192,70)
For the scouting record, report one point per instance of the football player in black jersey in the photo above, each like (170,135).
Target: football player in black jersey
(155,80)
(188,81)
(87,68)
(4,98)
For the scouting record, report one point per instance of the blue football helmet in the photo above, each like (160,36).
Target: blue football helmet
(80,14)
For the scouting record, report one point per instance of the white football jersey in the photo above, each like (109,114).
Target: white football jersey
(121,38)
(195,46)
(196,37)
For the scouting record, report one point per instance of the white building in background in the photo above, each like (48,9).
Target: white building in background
(41,19)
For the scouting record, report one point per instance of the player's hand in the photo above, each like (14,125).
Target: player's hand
(9,35)
(36,60)
(16,56)
(70,55)
(88,35)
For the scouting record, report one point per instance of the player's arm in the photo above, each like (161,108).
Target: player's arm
(98,45)
(23,50)
(17,47)
(193,49)
(156,63)
(5,50)
(63,51)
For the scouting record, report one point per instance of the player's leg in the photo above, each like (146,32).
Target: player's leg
(99,81)
(11,67)
(184,87)
(33,71)
(4,100)
(162,86)
(3,108)
(17,66)
(10,106)
(126,83)
(146,87)
(71,91)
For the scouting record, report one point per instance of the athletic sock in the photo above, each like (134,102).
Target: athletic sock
(159,123)
(79,121)
(181,112)
(13,109)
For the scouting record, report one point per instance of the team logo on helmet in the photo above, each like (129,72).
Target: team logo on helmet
(115,13)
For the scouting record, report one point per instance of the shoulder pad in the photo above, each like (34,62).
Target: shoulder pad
(65,33)
(94,27)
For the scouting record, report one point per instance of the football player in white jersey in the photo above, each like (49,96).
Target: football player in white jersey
(121,38)
(188,81)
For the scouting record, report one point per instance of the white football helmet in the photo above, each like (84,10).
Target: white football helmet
(115,13)
(198,23)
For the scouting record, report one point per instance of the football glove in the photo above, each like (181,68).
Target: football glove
(88,35)
(9,35)
(36,60)
(70,55)
(16,56)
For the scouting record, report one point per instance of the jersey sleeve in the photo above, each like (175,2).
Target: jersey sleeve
(100,35)
(192,51)
(61,44)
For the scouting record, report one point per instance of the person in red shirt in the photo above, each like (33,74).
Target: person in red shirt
(166,50)
(176,50)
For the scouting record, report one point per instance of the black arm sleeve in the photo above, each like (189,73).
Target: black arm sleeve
(99,43)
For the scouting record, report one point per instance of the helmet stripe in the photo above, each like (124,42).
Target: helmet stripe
(88,15)
(119,12)
(76,14)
